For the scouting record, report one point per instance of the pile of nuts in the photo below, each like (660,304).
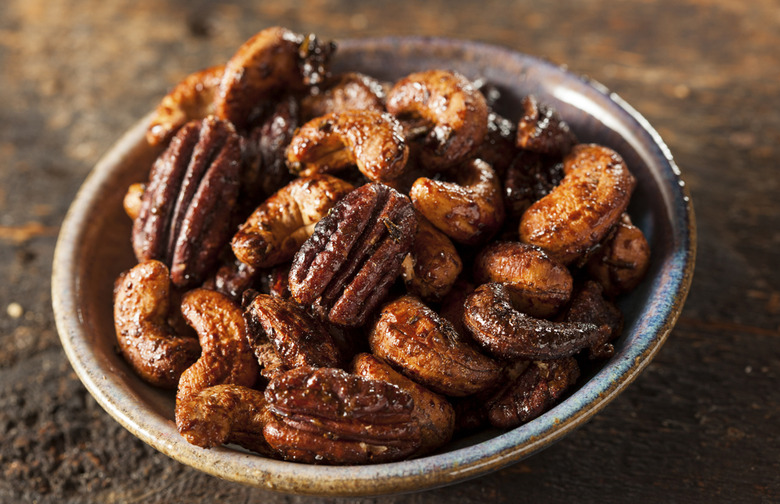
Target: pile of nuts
(333,269)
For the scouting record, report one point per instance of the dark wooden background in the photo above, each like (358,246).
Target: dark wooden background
(702,423)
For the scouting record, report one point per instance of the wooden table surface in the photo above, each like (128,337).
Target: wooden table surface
(701,424)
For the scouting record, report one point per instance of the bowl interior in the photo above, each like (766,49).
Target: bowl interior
(94,247)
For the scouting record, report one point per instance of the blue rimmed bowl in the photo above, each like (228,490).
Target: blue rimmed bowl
(94,247)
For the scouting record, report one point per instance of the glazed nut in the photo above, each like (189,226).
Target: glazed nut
(132,200)
(347,266)
(185,213)
(371,140)
(329,416)
(622,260)
(433,265)
(419,343)
(282,223)
(348,91)
(542,130)
(588,305)
(147,342)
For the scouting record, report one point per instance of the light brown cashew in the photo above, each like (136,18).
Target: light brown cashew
(433,265)
(577,214)
(192,98)
(280,225)
(469,210)
(133,200)
(454,111)
(146,340)
(373,141)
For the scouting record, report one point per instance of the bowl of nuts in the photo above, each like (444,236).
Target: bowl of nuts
(371,266)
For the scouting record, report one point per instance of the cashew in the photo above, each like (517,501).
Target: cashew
(133,200)
(433,265)
(348,91)
(622,261)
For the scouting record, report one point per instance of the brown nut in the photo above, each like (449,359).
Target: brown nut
(132,200)
(425,347)
(186,210)
(373,141)
(540,285)
(454,111)
(433,265)
(498,149)
(622,260)
(146,340)
(225,414)
(329,416)
(433,413)
(532,393)
(529,178)
(347,266)
(588,305)
(298,338)
(279,226)
(578,213)
(507,333)
(348,91)
(469,210)
(274,60)
(542,130)
(191,99)
(233,279)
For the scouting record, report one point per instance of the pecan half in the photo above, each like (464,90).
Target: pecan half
(185,213)
(347,266)
(327,415)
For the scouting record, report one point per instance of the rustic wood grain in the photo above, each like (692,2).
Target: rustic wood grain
(702,423)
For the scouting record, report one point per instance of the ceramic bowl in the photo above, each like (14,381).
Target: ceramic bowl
(94,247)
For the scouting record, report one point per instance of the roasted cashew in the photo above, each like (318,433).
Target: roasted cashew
(540,284)
(133,199)
(469,210)
(192,98)
(577,214)
(622,260)
(280,225)
(507,333)
(146,340)
(373,141)
(348,91)
(433,265)
(454,111)
(542,130)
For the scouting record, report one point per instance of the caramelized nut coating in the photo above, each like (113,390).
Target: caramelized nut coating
(186,209)
(191,99)
(348,91)
(540,285)
(354,255)
(432,412)
(622,261)
(529,178)
(454,110)
(373,141)
(279,226)
(469,210)
(578,213)
(298,338)
(433,265)
(588,305)
(542,130)
(147,342)
(425,347)
(225,414)
(507,333)
(330,416)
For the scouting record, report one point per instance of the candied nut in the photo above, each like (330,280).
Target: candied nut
(507,333)
(232,279)
(347,266)
(433,413)
(469,210)
(132,200)
(622,260)
(588,305)
(528,178)
(542,130)
(327,415)
(425,347)
(279,226)
(498,149)
(272,61)
(191,99)
(373,141)
(578,213)
(532,393)
(298,338)
(225,358)
(185,212)
(225,414)
(454,111)
(348,91)
(540,285)
(146,340)
(433,265)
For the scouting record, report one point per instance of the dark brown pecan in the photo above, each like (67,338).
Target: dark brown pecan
(185,213)
(348,264)
(298,338)
(425,347)
(327,415)
(542,130)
